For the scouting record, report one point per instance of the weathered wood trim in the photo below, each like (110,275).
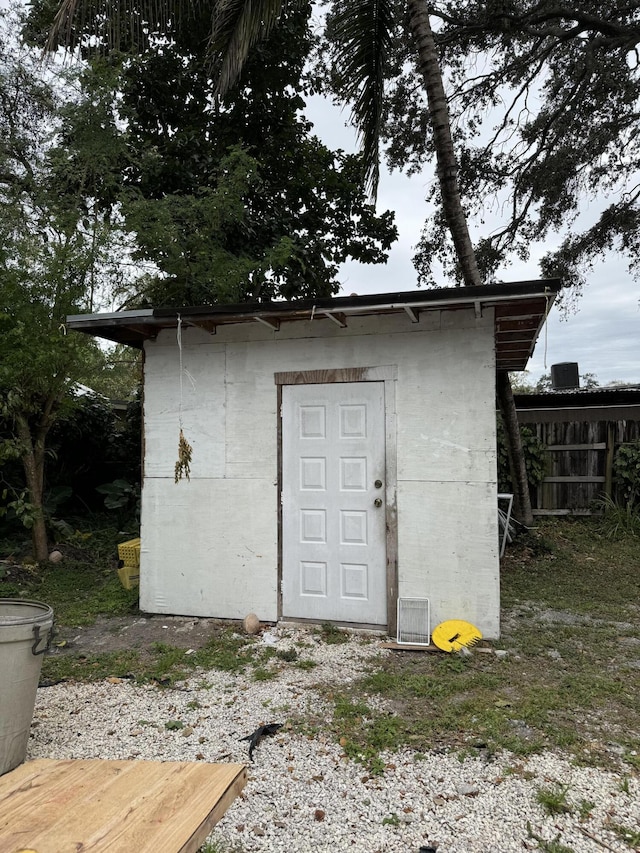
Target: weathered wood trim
(391,505)
(207,325)
(270,323)
(608,461)
(143,385)
(340,374)
(414,316)
(279,497)
(336,317)
(387,374)
(599,445)
(572,479)
(365,627)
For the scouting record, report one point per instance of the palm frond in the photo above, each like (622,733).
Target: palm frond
(63,24)
(121,24)
(362,31)
(236,26)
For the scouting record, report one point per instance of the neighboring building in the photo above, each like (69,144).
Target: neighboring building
(344,452)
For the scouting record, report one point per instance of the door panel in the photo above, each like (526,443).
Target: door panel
(333,534)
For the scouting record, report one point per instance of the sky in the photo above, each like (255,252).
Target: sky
(603,333)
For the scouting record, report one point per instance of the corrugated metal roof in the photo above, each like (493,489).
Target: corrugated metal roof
(580,397)
(520,309)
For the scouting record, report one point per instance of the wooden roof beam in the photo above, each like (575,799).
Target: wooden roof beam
(413,314)
(208,325)
(336,317)
(142,331)
(270,323)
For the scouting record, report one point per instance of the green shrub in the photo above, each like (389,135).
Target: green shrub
(626,473)
(535,457)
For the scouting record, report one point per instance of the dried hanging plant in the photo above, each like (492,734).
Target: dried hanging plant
(183,465)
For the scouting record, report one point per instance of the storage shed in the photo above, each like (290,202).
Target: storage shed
(343,452)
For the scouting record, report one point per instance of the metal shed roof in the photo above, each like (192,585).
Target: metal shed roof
(580,404)
(520,311)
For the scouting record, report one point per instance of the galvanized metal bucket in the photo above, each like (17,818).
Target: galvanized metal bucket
(26,631)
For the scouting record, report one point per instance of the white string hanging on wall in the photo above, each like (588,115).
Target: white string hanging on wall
(183,465)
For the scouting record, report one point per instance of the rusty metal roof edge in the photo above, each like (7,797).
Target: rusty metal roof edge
(449,297)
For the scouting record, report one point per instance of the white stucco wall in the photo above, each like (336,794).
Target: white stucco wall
(210,546)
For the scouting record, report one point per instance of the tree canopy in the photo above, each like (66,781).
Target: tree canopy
(545,106)
(232,198)
(54,254)
(543,101)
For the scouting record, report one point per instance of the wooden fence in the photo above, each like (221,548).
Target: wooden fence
(581,442)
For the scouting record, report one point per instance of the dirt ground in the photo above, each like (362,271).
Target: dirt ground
(115,633)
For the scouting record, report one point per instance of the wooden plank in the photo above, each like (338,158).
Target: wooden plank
(336,317)
(524,338)
(569,479)
(600,445)
(562,512)
(340,374)
(279,501)
(391,504)
(608,465)
(55,806)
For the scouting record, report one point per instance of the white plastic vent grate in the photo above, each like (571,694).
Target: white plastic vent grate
(414,626)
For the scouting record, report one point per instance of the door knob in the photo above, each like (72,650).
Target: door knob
(377,502)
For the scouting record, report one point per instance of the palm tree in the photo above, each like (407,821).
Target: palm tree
(362,30)
(362,33)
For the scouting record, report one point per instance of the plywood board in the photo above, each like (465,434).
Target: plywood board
(448,551)
(57,806)
(209,548)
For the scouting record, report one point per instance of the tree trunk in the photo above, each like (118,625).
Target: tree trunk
(447,165)
(33,463)
(521,497)
(447,170)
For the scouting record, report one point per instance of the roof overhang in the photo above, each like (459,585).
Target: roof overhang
(520,309)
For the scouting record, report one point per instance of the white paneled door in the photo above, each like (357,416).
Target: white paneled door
(333,502)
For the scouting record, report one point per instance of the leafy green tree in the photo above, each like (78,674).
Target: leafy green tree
(232,198)
(51,255)
(114,374)
(588,381)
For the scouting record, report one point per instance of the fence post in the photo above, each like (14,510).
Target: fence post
(608,465)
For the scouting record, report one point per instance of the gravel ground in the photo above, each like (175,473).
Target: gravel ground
(303,794)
